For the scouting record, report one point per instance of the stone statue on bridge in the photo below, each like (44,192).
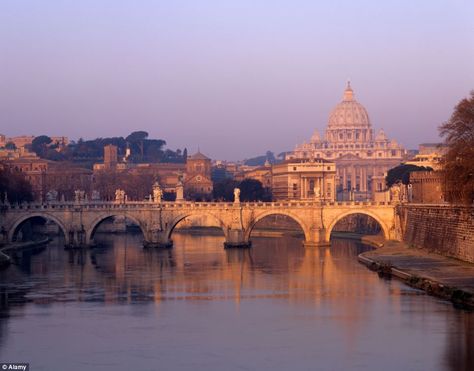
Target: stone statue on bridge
(95,196)
(79,196)
(52,196)
(120,196)
(236,195)
(179,191)
(157,193)
(395,193)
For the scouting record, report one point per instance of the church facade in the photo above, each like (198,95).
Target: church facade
(362,158)
(197,181)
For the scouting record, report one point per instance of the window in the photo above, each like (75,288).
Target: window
(295,186)
(294,168)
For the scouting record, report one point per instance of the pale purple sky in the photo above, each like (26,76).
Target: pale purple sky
(236,78)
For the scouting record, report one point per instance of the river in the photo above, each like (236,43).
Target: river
(198,306)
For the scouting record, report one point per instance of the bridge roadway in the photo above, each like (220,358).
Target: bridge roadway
(79,220)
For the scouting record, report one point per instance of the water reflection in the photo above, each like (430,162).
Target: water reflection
(281,305)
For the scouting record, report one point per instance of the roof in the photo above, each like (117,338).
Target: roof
(198,156)
(305,160)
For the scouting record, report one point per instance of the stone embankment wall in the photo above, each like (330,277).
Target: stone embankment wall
(444,229)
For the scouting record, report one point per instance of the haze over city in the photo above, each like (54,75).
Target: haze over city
(236,185)
(235,78)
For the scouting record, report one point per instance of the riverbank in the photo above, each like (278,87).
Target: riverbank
(368,239)
(5,258)
(444,277)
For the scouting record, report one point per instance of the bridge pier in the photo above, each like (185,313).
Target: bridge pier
(235,238)
(316,238)
(76,238)
(159,239)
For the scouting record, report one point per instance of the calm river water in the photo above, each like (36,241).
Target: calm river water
(276,306)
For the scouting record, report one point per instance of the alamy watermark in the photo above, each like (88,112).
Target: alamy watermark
(19,366)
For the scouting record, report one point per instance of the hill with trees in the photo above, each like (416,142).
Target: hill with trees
(87,152)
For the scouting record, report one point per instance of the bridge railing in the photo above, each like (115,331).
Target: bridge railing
(55,205)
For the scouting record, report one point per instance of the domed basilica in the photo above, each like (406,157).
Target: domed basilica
(361,158)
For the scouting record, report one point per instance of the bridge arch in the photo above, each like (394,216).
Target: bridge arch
(45,216)
(297,219)
(174,222)
(339,217)
(98,220)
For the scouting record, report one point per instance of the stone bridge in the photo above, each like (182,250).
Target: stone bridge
(79,220)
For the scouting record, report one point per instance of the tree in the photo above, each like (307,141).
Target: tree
(401,173)
(39,145)
(252,190)
(260,160)
(153,150)
(185,155)
(10,146)
(458,171)
(14,184)
(136,184)
(136,139)
(224,190)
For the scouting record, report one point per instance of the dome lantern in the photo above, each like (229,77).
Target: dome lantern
(348,93)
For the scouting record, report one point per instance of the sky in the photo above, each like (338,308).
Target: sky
(233,78)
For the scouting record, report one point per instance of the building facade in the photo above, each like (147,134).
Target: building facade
(197,180)
(46,176)
(429,155)
(304,179)
(350,143)
(426,187)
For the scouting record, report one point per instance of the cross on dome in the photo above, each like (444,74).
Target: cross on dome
(348,93)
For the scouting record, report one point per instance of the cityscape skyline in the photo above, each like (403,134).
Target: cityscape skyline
(193,76)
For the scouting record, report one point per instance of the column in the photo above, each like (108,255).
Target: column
(344,175)
(301,187)
(363,178)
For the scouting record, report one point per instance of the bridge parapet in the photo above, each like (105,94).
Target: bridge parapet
(185,204)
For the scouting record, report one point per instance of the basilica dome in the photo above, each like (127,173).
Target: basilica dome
(349,113)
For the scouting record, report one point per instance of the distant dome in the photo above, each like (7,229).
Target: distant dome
(316,137)
(349,113)
(381,136)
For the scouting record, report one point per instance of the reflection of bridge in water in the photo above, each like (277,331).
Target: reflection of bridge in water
(79,220)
